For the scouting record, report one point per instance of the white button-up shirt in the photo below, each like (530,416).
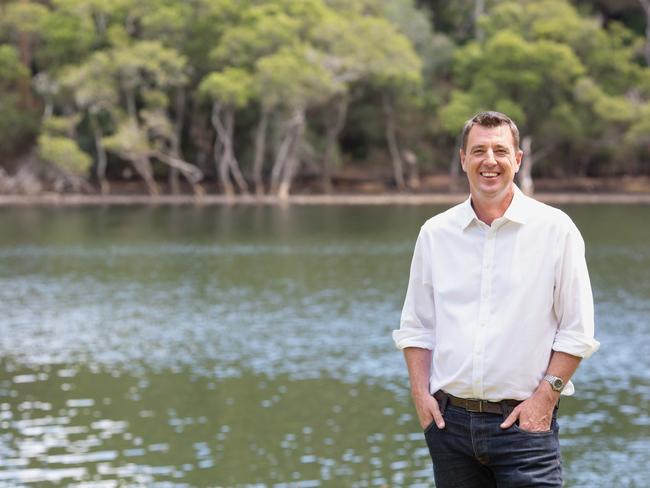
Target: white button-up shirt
(492,302)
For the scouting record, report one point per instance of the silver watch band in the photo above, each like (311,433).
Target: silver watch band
(556,382)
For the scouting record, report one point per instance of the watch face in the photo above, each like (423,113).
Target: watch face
(558,384)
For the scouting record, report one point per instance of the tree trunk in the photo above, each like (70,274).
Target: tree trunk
(24,84)
(391,138)
(100,23)
(201,137)
(48,110)
(191,173)
(335,123)
(479,9)
(176,138)
(229,144)
(645,4)
(143,166)
(412,165)
(102,160)
(454,167)
(260,150)
(220,156)
(293,160)
(281,158)
(525,172)
(130,104)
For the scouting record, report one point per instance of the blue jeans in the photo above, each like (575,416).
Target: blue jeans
(472,451)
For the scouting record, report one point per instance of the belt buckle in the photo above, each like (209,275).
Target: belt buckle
(474,405)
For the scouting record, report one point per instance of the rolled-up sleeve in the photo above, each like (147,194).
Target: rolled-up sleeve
(418,314)
(573,300)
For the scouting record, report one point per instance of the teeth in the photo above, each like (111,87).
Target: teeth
(489,174)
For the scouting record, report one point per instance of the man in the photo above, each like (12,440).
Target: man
(497,316)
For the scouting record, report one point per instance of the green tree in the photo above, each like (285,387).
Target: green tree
(543,63)
(92,85)
(145,71)
(20,23)
(229,90)
(17,125)
(294,79)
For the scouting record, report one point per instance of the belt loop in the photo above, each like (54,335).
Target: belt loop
(506,409)
(442,398)
(443,403)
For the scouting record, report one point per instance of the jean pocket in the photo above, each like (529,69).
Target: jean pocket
(550,431)
(430,426)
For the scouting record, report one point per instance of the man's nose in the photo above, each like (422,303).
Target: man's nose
(489,156)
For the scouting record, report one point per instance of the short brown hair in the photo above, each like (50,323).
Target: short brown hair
(490,119)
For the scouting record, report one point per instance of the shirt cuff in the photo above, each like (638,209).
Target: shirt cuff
(413,338)
(575,344)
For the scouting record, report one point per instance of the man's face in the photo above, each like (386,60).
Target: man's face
(490,161)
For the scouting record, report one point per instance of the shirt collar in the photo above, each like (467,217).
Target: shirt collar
(516,211)
(466,214)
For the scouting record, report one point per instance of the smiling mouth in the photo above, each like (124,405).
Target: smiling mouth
(489,174)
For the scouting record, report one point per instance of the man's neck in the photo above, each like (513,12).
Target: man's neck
(490,209)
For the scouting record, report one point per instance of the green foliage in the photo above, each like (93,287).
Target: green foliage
(263,30)
(525,78)
(64,153)
(461,106)
(11,70)
(566,81)
(61,125)
(92,83)
(64,39)
(232,87)
(18,127)
(608,108)
(295,77)
(609,55)
(23,17)
(129,141)
(435,50)
(149,63)
(570,80)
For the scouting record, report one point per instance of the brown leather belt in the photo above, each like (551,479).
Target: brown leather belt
(504,407)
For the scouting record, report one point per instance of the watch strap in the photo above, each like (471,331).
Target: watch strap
(556,382)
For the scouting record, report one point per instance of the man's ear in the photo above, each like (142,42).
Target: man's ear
(518,158)
(462,160)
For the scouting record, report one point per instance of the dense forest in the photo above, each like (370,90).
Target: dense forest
(252,96)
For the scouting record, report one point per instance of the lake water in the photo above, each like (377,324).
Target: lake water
(250,347)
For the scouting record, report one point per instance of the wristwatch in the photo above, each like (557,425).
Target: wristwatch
(556,383)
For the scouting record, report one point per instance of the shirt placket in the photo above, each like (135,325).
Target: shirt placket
(487,270)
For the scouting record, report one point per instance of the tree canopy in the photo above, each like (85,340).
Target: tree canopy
(234,95)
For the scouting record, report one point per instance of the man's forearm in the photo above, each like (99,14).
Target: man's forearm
(562,365)
(535,413)
(418,362)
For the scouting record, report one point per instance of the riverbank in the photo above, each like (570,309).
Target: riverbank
(352,190)
(54,199)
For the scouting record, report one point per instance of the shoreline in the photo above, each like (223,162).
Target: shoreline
(304,199)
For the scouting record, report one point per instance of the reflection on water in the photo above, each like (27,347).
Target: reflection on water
(251,347)
(178,426)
